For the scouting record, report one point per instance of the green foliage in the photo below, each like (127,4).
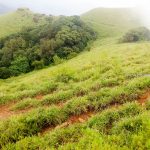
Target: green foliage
(5,73)
(65,75)
(19,65)
(38,64)
(40,46)
(57,60)
(138,34)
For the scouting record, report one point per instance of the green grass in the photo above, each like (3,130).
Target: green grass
(125,126)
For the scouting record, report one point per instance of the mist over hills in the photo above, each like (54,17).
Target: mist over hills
(112,21)
(106,21)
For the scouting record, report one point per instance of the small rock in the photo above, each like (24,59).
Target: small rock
(81,120)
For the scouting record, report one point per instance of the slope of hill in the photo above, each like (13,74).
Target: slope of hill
(50,102)
(13,22)
(98,100)
(112,21)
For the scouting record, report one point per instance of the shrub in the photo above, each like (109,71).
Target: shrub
(19,65)
(38,64)
(138,34)
(65,75)
(5,73)
(57,60)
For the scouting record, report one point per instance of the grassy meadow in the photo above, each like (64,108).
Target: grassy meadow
(98,100)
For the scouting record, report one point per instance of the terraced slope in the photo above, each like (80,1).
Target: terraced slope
(72,92)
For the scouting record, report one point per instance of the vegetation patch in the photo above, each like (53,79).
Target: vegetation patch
(138,34)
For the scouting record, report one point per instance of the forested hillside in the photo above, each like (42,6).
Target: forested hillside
(36,47)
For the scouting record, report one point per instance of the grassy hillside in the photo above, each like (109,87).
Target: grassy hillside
(15,21)
(46,101)
(112,21)
(98,100)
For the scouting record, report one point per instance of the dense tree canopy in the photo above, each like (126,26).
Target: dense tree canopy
(34,48)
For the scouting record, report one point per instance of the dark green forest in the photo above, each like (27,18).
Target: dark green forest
(35,48)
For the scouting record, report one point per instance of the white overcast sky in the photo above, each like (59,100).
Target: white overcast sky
(72,7)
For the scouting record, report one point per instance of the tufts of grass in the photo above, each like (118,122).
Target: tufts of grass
(76,106)
(25,104)
(104,120)
(30,124)
(62,96)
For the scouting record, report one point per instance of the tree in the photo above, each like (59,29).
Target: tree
(47,50)
(19,65)
(5,73)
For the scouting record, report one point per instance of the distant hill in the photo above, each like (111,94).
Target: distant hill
(13,22)
(111,21)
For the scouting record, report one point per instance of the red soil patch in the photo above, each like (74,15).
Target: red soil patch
(80,118)
(5,112)
(72,120)
(144,98)
(39,97)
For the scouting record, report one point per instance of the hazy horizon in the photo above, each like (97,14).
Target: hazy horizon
(78,7)
(71,7)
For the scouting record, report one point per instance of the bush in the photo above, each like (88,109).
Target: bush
(65,75)
(57,60)
(5,73)
(138,34)
(38,64)
(19,65)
